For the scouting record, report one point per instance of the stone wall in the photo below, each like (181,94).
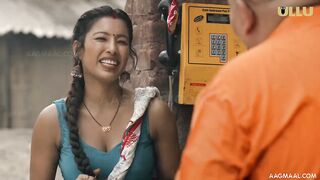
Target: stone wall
(149,40)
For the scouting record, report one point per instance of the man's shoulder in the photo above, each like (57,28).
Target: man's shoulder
(251,58)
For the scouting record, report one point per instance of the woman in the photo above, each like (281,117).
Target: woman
(102,130)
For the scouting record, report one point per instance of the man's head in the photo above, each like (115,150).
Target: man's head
(254,20)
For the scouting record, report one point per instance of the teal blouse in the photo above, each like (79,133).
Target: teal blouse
(142,167)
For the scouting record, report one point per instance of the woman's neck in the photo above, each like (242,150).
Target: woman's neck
(99,94)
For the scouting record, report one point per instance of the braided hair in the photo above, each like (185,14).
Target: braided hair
(76,93)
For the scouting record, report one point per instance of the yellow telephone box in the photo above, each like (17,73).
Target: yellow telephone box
(207,43)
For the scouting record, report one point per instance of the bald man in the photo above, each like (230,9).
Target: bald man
(260,116)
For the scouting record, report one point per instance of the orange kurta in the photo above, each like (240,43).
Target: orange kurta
(260,116)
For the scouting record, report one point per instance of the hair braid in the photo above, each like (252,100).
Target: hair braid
(73,103)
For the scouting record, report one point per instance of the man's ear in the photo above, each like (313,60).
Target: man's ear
(247,17)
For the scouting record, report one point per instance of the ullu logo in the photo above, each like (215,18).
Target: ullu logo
(295,11)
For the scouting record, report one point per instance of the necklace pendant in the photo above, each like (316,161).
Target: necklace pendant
(106,129)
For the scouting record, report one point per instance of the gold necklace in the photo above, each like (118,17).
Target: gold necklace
(105,129)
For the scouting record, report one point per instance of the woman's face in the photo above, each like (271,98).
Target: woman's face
(106,49)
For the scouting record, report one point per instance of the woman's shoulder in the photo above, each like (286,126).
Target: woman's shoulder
(151,96)
(47,124)
(160,116)
(48,114)
(149,91)
(158,108)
